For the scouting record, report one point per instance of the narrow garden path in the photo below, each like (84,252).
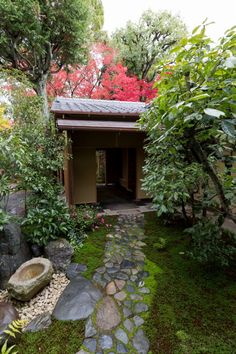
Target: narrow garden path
(116,324)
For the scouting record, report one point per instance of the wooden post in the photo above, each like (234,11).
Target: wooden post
(68,171)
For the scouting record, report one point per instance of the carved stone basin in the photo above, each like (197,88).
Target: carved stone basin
(29,278)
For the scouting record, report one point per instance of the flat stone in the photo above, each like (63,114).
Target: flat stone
(90,344)
(109,265)
(130,289)
(121,348)
(122,276)
(141,307)
(101,270)
(129,325)
(107,277)
(120,283)
(133,277)
(126,264)
(140,342)
(108,316)
(136,297)
(121,335)
(134,271)
(128,303)
(29,278)
(111,288)
(82,352)
(138,321)
(75,269)
(77,301)
(120,296)
(144,290)
(105,342)
(97,278)
(127,312)
(117,258)
(39,323)
(90,330)
(112,270)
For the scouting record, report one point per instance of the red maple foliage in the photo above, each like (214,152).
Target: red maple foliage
(101,78)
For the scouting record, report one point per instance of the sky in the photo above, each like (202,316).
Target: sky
(193,13)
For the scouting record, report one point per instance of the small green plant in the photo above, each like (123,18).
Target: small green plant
(48,219)
(4,219)
(13,329)
(211,244)
(161,244)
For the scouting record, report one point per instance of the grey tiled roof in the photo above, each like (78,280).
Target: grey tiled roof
(91,106)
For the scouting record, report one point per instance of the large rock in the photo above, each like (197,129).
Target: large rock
(31,277)
(14,251)
(77,301)
(8,314)
(59,252)
(108,316)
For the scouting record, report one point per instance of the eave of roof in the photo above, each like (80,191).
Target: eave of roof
(66,124)
(80,106)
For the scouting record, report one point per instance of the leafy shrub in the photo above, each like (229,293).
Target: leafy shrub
(48,219)
(211,244)
(4,219)
(161,244)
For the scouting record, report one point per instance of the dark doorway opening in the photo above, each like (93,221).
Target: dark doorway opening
(116,176)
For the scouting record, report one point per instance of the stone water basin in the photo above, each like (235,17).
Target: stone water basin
(30,278)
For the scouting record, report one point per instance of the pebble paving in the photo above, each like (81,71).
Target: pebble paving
(116,324)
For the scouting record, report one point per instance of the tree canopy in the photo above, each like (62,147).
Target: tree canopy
(39,36)
(191,128)
(145,43)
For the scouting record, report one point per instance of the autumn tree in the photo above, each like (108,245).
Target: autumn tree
(144,43)
(37,37)
(101,78)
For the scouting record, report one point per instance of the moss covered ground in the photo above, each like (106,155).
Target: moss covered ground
(192,308)
(64,337)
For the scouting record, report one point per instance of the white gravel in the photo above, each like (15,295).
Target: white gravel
(44,301)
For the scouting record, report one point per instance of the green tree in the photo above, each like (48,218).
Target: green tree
(145,43)
(191,129)
(39,36)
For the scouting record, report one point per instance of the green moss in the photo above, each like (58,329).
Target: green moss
(191,308)
(92,251)
(60,338)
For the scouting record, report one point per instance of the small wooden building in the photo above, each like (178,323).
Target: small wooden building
(101,131)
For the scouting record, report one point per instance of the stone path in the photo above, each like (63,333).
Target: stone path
(116,324)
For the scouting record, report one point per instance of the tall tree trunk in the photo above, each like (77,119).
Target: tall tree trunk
(41,90)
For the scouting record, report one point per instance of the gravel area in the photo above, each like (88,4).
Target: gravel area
(44,301)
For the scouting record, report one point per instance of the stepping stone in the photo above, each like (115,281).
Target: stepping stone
(138,321)
(140,307)
(120,283)
(130,289)
(121,335)
(129,325)
(90,330)
(140,342)
(105,342)
(121,348)
(108,316)
(126,264)
(120,296)
(122,276)
(38,323)
(112,270)
(90,344)
(101,270)
(127,312)
(136,297)
(111,288)
(77,301)
(144,290)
